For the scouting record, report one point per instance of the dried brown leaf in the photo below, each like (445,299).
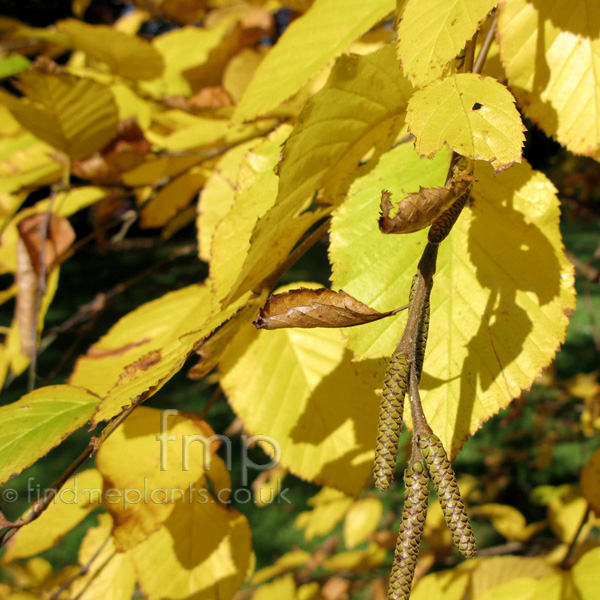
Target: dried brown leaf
(316,308)
(420,209)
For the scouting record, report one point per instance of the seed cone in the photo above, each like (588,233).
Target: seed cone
(441,227)
(390,420)
(416,497)
(451,502)
(423,331)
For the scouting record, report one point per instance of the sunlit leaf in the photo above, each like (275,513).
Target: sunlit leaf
(277,381)
(476,116)
(218,195)
(76,116)
(40,420)
(432,32)
(329,507)
(498,303)
(111,574)
(283,587)
(203,546)
(158,473)
(586,575)
(292,61)
(551,52)
(361,106)
(79,496)
(125,55)
(361,521)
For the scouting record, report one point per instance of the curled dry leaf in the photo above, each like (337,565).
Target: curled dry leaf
(422,208)
(316,308)
(42,240)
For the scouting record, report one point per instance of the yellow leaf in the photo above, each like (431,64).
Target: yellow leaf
(508,521)
(433,32)
(277,381)
(125,55)
(284,587)
(131,105)
(550,51)
(24,161)
(445,585)
(335,129)
(361,521)
(566,513)
(498,303)
(288,562)
(172,198)
(489,573)
(329,507)
(182,50)
(239,72)
(147,347)
(521,588)
(80,495)
(76,116)
(218,195)
(586,575)
(330,26)
(202,551)
(156,168)
(157,474)
(39,421)
(255,194)
(357,560)
(111,573)
(590,482)
(476,116)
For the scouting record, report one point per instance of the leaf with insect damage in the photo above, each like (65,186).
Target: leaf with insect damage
(316,308)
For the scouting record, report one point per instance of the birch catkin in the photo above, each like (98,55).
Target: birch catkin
(423,331)
(395,384)
(453,507)
(416,497)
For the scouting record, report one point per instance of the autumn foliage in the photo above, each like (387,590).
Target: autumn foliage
(392,135)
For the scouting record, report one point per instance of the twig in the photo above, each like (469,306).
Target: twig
(214,397)
(84,570)
(585,270)
(486,45)
(565,560)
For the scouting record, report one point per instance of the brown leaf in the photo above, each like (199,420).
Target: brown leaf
(420,209)
(56,241)
(124,152)
(38,251)
(316,308)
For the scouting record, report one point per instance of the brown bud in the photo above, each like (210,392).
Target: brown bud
(452,504)
(416,497)
(395,384)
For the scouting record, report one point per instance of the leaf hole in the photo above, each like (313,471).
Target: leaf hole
(477,106)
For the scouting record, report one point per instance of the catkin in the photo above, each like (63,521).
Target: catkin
(449,496)
(441,227)
(416,497)
(395,384)
(423,331)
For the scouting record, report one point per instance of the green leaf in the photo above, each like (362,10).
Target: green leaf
(551,53)
(39,421)
(330,25)
(476,116)
(76,116)
(299,387)
(433,32)
(361,106)
(499,302)
(13,64)
(126,55)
